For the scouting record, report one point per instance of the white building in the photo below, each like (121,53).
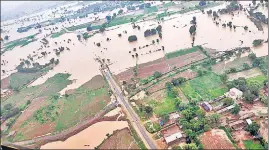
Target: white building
(234,93)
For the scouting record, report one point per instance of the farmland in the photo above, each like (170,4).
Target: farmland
(246,74)
(121,139)
(249,144)
(206,87)
(216,139)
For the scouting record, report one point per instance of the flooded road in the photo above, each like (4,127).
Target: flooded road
(88,138)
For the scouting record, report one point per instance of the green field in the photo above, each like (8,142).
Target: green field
(164,107)
(50,87)
(259,79)
(206,87)
(58,34)
(181,52)
(169,4)
(249,144)
(18,79)
(80,106)
(19,42)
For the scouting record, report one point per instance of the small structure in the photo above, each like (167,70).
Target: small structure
(225,109)
(173,117)
(171,134)
(246,116)
(249,121)
(206,106)
(234,93)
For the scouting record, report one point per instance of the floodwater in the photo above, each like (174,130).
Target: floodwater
(88,138)
(79,61)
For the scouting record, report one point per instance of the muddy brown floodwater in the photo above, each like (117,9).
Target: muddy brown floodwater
(88,138)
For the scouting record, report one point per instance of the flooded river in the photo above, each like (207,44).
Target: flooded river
(88,138)
(79,61)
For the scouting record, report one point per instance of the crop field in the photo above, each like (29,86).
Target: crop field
(121,139)
(246,74)
(250,144)
(181,52)
(53,113)
(206,87)
(19,42)
(220,67)
(165,106)
(259,79)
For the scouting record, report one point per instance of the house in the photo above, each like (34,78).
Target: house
(5,93)
(172,134)
(248,115)
(225,109)
(234,93)
(237,125)
(206,106)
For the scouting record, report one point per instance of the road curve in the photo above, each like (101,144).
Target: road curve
(129,109)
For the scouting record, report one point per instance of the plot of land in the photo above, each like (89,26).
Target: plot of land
(246,74)
(250,144)
(206,87)
(258,79)
(216,139)
(220,68)
(120,140)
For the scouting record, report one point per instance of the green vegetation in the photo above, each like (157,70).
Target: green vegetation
(46,113)
(229,134)
(181,52)
(17,80)
(19,42)
(206,87)
(151,10)
(257,42)
(261,62)
(258,79)
(169,4)
(58,34)
(152,127)
(253,128)
(84,102)
(250,144)
(136,137)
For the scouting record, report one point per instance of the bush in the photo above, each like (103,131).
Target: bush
(132,38)
(257,42)
(157,74)
(228,101)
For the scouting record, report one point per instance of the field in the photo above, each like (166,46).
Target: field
(160,65)
(216,139)
(53,113)
(19,42)
(165,106)
(246,74)
(220,67)
(249,144)
(121,139)
(181,52)
(258,79)
(206,87)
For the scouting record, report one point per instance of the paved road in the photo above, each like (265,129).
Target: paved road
(134,117)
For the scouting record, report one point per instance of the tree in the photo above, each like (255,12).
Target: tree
(232,70)
(148,109)
(132,38)
(257,42)
(89,28)
(215,14)
(164,117)
(160,35)
(159,28)
(191,146)
(102,29)
(153,42)
(79,37)
(6,37)
(252,56)
(246,66)
(253,128)
(8,106)
(249,97)
(224,77)
(120,11)
(157,74)
(108,18)
(192,29)
(209,12)
(246,27)
(114,15)
(228,101)
(214,118)
(236,109)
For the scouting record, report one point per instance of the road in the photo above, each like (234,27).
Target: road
(133,115)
